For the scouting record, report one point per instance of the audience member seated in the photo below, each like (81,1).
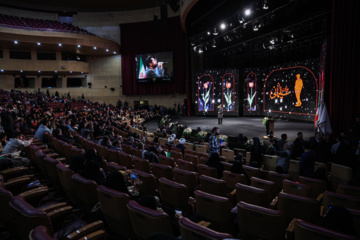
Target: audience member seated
(43,130)
(13,149)
(308,158)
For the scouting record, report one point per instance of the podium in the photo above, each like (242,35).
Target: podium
(270,128)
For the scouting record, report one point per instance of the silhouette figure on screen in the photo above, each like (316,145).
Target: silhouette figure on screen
(298,87)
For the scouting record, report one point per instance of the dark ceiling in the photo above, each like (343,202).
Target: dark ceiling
(73,6)
(284,30)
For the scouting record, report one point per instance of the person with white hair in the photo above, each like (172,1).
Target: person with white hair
(181,145)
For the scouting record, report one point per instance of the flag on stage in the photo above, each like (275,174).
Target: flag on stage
(324,121)
(142,73)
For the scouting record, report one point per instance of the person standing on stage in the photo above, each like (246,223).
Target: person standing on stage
(214,145)
(220,114)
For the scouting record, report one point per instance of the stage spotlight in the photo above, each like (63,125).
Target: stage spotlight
(223,26)
(215,32)
(265,5)
(213,44)
(247,12)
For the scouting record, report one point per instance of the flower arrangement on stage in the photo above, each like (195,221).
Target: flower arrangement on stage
(187,131)
(222,137)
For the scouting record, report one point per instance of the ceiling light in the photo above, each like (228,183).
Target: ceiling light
(265,5)
(247,12)
(223,26)
(213,44)
(60,45)
(39,44)
(215,32)
(16,42)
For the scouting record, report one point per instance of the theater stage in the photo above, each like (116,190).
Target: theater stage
(248,126)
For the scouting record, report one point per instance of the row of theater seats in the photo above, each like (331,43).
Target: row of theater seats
(30,208)
(296,199)
(39,24)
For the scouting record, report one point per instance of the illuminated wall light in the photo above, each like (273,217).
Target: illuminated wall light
(95,48)
(114,52)
(60,45)
(208,33)
(2,70)
(39,71)
(70,71)
(16,42)
(79,46)
(107,50)
(21,71)
(39,44)
(247,12)
(55,71)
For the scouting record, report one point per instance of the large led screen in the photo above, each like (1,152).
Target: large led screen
(216,88)
(283,91)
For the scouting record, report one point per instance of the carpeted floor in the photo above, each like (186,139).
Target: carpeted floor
(248,126)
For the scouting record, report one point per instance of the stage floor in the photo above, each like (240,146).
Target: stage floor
(248,126)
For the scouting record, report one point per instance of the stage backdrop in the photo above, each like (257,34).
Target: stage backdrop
(213,88)
(284,91)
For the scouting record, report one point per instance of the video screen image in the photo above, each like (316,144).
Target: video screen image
(287,91)
(154,67)
(216,88)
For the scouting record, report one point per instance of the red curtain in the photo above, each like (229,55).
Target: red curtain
(345,65)
(144,37)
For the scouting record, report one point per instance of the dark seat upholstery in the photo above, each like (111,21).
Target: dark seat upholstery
(260,222)
(216,210)
(141,164)
(206,170)
(306,230)
(294,206)
(114,208)
(188,178)
(146,221)
(160,171)
(193,231)
(297,188)
(252,195)
(213,186)
(231,179)
(86,192)
(175,195)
